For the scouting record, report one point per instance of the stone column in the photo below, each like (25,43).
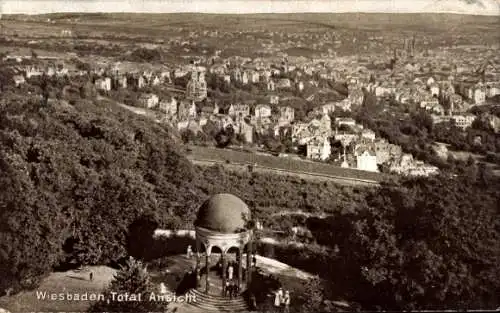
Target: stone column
(240,266)
(198,248)
(207,283)
(249,263)
(224,268)
(197,268)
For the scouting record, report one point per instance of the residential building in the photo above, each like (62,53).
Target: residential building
(237,110)
(328,108)
(244,78)
(345,121)
(405,165)
(344,105)
(479,96)
(287,114)
(246,130)
(262,111)
(432,104)
(149,100)
(196,88)
(368,134)
(345,137)
(273,99)
(186,110)
(456,102)
(103,84)
(18,80)
(271,86)
(155,80)
(169,106)
(253,76)
(356,97)
(319,148)
(165,77)
(367,161)
(386,151)
(119,82)
(284,83)
(384,91)
(434,89)
(32,71)
(492,90)
(464,120)
(237,74)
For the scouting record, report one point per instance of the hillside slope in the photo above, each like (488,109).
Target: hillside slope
(73,178)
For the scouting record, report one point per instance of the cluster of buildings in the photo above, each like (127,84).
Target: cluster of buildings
(446,94)
(22,73)
(362,150)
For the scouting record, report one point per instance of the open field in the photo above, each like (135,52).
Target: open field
(284,164)
(274,22)
(72,282)
(161,26)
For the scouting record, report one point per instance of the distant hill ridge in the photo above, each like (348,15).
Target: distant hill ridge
(473,7)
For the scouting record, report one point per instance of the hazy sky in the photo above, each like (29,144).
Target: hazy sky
(481,7)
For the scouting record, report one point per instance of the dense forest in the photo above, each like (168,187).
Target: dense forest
(74,179)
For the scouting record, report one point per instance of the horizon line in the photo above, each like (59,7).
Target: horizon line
(242,7)
(246,13)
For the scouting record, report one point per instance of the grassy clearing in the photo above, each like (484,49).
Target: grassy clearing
(223,155)
(73,282)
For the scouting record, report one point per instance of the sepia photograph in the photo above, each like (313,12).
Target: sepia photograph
(258,156)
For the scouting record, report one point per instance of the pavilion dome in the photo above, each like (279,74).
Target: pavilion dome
(224,213)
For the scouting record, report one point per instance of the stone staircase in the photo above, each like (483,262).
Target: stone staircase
(213,303)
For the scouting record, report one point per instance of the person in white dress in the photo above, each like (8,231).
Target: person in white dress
(189,252)
(277,300)
(286,302)
(163,288)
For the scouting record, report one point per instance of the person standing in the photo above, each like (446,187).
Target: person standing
(236,289)
(231,286)
(280,294)
(277,300)
(286,302)
(189,252)
(253,301)
(163,288)
(91,276)
(198,278)
(226,288)
(254,260)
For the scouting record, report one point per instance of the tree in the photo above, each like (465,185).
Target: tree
(421,243)
(140,235)
(482,124)
(188,135)
(73,181)
(315,296)
(131,279)
(225,137)
(423,120)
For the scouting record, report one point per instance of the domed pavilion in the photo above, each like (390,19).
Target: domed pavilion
(223,222)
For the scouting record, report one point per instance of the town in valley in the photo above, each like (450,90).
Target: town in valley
(292,162)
